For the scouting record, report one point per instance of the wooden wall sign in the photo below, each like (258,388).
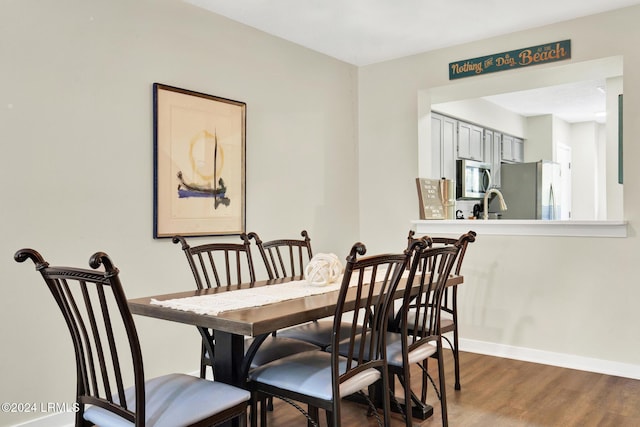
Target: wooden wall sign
(541,54)
(437,198)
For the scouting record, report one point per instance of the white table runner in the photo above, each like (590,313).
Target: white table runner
(254,297)
(245,298)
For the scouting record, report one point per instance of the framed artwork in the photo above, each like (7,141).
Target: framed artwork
(199,163)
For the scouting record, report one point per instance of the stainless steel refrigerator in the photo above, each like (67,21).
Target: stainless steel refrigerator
(531,190)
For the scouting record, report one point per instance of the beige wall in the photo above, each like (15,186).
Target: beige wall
(584,149)
(613,189)
(573,296)
(76,160)
(539,139)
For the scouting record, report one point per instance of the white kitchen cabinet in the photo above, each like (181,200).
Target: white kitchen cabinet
(518,150)
(470,142)
(444,137)
(507,148)
(512,149)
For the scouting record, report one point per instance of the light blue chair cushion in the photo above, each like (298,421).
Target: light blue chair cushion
(446,321)
(318,333)
(274,348)
(174,400)
(309,373)
(394,350)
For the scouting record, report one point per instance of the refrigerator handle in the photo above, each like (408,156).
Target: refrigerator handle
(552,201)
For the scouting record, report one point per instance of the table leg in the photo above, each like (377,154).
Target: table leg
(420,411)
(229,357)
(229,354)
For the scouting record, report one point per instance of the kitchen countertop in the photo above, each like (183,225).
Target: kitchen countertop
(523,227)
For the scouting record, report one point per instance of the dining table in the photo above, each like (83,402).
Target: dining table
(230,325)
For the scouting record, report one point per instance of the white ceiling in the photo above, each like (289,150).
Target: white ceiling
(363,32)
(573,103)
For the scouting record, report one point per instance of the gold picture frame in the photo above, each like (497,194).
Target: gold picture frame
(199,163)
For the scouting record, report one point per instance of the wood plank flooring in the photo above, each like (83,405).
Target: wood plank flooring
(499,392)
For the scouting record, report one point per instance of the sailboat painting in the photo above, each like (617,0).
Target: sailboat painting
(211,174)
(199,163)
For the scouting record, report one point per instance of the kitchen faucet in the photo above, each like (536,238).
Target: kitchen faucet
(503,205)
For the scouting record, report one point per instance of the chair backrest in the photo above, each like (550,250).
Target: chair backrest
(430,269)
(465,239)
(219,264)
(284,257)
(373,280)
(95,310)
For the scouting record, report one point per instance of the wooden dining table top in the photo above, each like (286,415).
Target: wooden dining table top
(254,321)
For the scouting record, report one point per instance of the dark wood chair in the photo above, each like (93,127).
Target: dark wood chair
(322,378)
(288,258)
(419,335)
(219,264)
(449,320)
(284,257)
(226,264)
(106,344)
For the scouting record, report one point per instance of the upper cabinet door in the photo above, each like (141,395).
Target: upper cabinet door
(436,145)
(444,135)
(470,142)
(449,140)
(512,149)
(518,150)
(507,148)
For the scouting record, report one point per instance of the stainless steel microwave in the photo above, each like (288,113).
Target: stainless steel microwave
(473,179)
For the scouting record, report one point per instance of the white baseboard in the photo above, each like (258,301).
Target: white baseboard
(62,419)
(570,361)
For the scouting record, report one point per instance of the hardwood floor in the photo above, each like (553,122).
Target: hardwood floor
(500,392)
